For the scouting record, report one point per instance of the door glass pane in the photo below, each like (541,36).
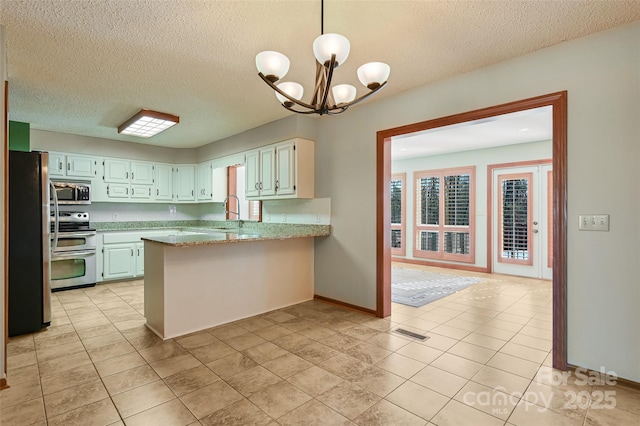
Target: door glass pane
(396,238)
(396,201)
(515,219)
(456,200)
(429,241)
(429,188)
(68,268)
(456,242)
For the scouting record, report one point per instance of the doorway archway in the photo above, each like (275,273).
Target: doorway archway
(558,101)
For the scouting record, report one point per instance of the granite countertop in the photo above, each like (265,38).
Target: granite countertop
(245,235)
(217,232)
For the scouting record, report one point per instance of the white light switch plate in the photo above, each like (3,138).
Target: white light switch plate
(593,222)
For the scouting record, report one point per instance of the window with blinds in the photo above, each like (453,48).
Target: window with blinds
(444,208)
(515,216)
(398,214)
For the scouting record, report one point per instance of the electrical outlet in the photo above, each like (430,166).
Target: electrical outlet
(284,217)
(317,217)
(172,209)
(115,217)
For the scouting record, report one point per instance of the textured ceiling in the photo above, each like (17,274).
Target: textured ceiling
(83,67)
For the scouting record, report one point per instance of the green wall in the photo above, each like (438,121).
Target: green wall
(19,136)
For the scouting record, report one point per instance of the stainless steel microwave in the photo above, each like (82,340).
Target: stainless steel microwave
(73,192)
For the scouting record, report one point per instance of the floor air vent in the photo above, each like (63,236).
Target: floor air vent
(410,334)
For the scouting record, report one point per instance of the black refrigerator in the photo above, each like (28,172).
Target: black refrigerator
(29,242)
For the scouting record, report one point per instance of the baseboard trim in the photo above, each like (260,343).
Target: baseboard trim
(345,305)
(4,384)
(619,380)
(441,265)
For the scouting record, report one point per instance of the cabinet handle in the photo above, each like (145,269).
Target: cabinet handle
(149,192)
(127,175)
(192,192)
(60,165)
(132,175)
(133,191)
(107,189)
(157,192)
(277,184)
(127,191)
(131,252)
(260,185)
(138,252)
(68,166)
(257,185)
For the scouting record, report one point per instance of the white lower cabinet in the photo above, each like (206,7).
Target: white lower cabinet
(119,261)
(140,259)
(121,254)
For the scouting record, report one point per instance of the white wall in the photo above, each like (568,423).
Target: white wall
(602,76)
(481,159)
(42,140)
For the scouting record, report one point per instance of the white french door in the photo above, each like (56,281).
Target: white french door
(522,221)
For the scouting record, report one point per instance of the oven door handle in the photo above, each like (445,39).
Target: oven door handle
(84,253)
(71,234)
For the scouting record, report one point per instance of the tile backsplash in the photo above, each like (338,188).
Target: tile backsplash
(296,211)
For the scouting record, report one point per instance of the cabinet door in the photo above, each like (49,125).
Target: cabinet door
(164,182)
(141,173)
(116,171)
(117,191)
(285,172)
(204,182)
(80,166)
(185,183)
(252,173)
(141,192)
(219,184)
(267,171)
(139,259)
(57,165)
(119,261)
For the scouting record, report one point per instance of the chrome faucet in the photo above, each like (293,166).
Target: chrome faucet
(226,207)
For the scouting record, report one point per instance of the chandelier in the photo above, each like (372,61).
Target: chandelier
(330,50)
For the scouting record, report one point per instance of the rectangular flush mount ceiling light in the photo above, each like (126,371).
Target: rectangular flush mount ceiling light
(146,123)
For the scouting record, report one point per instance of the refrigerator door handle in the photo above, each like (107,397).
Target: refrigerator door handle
(56,225)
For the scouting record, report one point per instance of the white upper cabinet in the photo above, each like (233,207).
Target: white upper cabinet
(282,170)
(164,182)
(212,183)
(57,164)
(116,171)
(252,173)
(141,173)
(72,165)
(184,183)
(267,171)
(219,184)
(81,166)
(286,171)
(205,181)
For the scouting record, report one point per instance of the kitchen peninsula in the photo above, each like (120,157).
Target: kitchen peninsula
(194,282)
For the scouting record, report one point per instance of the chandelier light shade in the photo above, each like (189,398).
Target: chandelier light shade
(294,90)
(146,123)
(327,45)
(330,51)
(274,65)
(373,74)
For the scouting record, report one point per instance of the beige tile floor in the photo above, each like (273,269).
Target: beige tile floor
(487,362)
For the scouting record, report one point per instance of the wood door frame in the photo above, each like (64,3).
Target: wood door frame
(490,194)
(558,101)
